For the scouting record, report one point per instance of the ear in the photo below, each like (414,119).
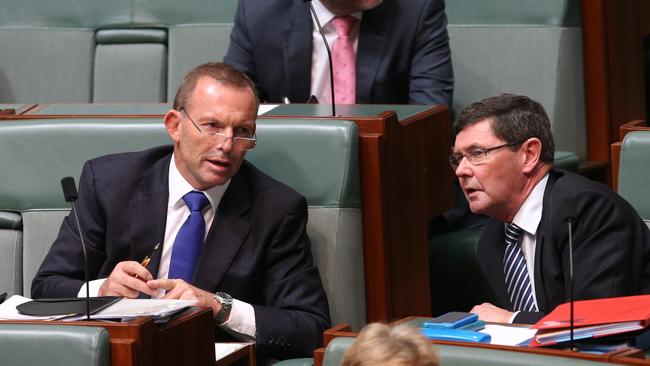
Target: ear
(172,121)
(532,150)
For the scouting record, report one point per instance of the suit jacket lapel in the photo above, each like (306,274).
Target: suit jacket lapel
(540,288)
(370,50)
(149,214)
(226,235)
(494,233)
(297,45)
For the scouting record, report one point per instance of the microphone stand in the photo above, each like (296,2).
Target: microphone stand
(329,53)
(70,195)
(571,281)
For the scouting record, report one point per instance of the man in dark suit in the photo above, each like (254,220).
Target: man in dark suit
(243,251)
(402,49)
(503,157)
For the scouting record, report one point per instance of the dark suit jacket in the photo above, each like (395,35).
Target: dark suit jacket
(611,247)
(402,57)
(257,249)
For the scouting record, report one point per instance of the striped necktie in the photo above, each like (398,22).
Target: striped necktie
(514,268)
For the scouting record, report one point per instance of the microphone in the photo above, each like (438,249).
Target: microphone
(310,6)
(569,210)
(70,195)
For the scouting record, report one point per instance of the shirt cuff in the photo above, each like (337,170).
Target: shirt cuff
(241,323)
(512,318)
(94,288)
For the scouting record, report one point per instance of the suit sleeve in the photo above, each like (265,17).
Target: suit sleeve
(240,50)
(62,272)
(610,245)
(431,79)
(296,313)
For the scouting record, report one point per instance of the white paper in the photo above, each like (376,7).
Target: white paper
(131,308)
(508,335)
(222,350)
(265,108)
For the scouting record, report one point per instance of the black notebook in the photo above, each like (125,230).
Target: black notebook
(65,306)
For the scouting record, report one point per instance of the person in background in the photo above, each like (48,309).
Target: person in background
(381,345)
(385,52)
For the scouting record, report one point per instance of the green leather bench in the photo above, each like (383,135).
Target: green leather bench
(54,345)
(116,51)
(634,172)
(318,158)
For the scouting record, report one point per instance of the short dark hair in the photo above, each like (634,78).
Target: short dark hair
(515,118)
(218,71)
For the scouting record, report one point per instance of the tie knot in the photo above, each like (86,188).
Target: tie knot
(195,200)
(513,232)
(343,25)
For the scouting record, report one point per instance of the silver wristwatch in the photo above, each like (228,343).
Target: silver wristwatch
(226,305)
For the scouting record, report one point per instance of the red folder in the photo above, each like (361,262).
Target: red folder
(594,318)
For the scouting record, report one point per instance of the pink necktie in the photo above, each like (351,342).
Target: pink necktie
(344,61)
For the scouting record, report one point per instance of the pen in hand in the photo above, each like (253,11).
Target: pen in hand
(147,259)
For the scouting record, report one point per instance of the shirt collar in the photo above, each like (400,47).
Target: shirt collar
(325,15)
(179,187)
(530,213)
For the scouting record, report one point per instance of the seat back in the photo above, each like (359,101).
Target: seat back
(97,48)
(524,47)
(54,345)
(634,172)
(318,158)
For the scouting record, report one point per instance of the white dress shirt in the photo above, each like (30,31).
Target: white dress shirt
(320,67)
(241,323)
(528,218)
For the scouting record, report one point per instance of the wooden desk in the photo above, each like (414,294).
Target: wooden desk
(187,339)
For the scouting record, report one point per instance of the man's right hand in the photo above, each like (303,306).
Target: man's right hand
(123,281)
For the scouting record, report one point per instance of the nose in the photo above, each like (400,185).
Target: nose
(226,143)
(463,168)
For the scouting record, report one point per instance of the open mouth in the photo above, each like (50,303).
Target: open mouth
(219,164)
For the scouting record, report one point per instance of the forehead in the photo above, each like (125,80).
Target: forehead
(216,98)
(478,134)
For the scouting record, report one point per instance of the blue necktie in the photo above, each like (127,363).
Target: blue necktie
(189,239)
(514,267)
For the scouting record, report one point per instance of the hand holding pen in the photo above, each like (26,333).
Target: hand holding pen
(147,259)
(129,278)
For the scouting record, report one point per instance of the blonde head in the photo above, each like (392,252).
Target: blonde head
(379,344)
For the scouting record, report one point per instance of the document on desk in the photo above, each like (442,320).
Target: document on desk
(131,308)
(222,350)
(265,108)
(508,335)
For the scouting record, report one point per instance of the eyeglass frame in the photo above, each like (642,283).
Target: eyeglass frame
(484,152)
(225,138)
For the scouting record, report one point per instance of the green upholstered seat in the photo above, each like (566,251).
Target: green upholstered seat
(634,171)
(318,158)
(53,345)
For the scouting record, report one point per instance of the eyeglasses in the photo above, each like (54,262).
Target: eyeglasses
(476,156)
(215,136)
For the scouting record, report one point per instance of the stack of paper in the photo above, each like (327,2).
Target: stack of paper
(594,319)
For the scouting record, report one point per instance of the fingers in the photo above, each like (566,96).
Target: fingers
(123,282)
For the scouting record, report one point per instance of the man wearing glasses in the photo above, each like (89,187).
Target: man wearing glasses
(232,238)
(503,158)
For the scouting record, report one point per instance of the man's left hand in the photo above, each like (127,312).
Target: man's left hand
(490,313)
(179,289)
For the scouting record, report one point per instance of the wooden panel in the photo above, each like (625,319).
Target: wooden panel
(613,68)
